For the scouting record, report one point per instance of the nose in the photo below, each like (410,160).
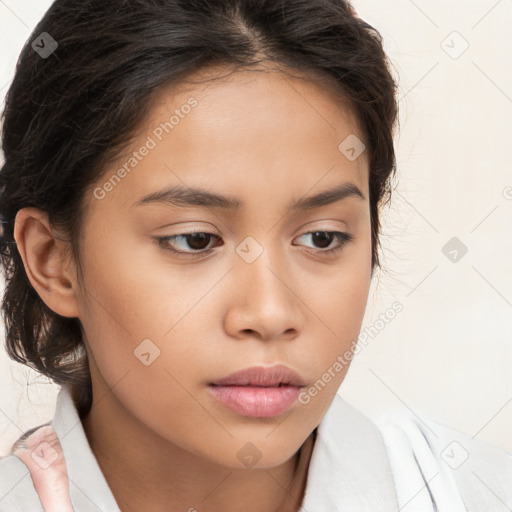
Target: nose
(264,303)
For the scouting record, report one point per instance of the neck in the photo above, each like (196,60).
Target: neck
(146,472)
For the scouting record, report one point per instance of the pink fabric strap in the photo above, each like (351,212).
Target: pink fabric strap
(42,453)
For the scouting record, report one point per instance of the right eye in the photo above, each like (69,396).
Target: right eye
(197,243)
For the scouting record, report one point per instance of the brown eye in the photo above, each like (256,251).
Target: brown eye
(198,241)
(323,240)
(187,244)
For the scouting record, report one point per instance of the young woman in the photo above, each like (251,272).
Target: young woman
(190,205)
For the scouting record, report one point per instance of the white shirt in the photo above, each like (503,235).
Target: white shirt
(401,463)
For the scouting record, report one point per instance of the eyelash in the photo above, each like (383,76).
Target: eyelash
(342,237)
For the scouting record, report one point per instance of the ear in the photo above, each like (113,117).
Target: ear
(46,261)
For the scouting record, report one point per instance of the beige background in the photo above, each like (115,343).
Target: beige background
(448,354)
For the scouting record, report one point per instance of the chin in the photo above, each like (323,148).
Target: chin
(255,452)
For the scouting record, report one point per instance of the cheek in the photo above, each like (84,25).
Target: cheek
(124,285)
(135,304)
(332,353)
(340,294)
(119,306)
(340,303)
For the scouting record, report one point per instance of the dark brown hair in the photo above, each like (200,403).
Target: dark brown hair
(70,113)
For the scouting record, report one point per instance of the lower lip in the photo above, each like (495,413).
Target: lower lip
(258,402)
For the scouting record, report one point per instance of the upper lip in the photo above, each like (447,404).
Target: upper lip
(262,376)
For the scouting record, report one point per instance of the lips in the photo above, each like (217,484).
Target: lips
(259,392)
(259,376)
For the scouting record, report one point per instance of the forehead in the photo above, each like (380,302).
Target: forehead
(261,97)
(250,132)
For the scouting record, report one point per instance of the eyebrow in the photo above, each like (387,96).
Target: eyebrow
(179,195)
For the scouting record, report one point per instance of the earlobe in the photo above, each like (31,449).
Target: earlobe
(44,258)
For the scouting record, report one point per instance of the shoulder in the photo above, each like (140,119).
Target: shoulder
(406,462)
(447,462)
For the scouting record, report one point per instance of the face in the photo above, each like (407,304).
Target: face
(181,290)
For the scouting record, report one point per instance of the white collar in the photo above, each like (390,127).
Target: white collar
(88,488)
(348,470)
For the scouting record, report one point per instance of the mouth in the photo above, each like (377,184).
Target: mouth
(259,392)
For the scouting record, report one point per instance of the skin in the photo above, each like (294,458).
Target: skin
(162,441)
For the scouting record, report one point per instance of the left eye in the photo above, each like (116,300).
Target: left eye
(325,238)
